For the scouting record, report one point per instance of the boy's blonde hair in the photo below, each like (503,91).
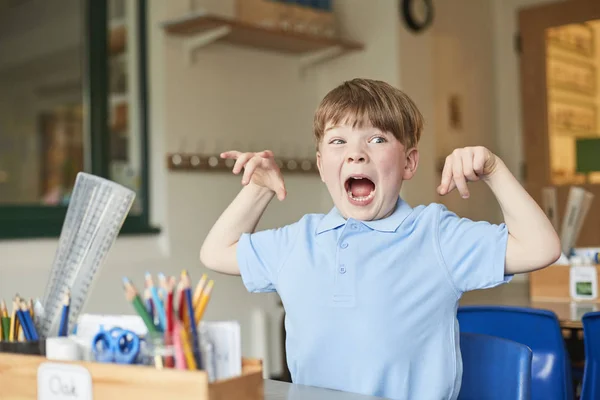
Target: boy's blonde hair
(363,102)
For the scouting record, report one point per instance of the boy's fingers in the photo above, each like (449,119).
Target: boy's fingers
(479,162)
(446,177)
(452,186)
(459,177)
(241,161)
(230,154)
(249,169)
(281,192)
(467,165)
(266,154)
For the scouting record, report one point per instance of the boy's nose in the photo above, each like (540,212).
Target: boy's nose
(357,157)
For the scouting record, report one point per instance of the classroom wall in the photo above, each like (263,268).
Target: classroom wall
(248,99)
(463,34)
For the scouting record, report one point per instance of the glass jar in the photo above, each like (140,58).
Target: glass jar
(157,350)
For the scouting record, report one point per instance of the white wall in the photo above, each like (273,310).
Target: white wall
(416,74)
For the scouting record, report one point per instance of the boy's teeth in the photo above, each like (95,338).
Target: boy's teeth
(363,198)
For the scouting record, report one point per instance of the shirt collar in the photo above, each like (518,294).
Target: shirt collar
(334,219)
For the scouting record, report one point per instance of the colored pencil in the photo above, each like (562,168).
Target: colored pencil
(21,318)
(149,304)
(199,288)
(63,329)
(178,346)
(133,297)
(5,321)
(158,305)
(13,325)
(169,338)
(187,292)
(33,335)
(204,299)
(187,348)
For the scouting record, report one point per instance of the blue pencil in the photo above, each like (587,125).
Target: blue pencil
(33,335)
(24,324)
(187,293)
(63,329)
(158,305)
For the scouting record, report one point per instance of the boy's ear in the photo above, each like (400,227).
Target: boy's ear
(412,161)
(319,165)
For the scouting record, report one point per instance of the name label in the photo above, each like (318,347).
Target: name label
(63,382)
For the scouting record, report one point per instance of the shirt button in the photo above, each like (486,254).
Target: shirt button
(344,245)
(342,269)
(354,226)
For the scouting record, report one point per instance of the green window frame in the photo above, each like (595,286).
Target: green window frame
(37,221)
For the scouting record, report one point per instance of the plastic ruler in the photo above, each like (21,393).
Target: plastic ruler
(97,209)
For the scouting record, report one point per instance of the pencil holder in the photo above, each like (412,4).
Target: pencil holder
(157,350)
(25,348)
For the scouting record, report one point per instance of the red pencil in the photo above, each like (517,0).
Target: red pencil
(170,321)
(170,286)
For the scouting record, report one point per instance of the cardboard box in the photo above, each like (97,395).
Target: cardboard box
(551,283)
(286,16)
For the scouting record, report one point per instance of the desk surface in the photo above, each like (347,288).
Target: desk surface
(517,294)
(275,390)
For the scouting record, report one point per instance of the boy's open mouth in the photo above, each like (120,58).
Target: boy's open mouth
(360,189)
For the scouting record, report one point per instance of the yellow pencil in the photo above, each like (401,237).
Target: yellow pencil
(31,310)
(199,289)
(199,311)
(187,349)
(12,333)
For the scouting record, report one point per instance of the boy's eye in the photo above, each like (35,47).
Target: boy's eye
(378,139)
(337,141)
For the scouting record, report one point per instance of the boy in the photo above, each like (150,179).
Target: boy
(371,289)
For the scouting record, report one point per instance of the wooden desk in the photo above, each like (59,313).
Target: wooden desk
(517,294)
(275,390)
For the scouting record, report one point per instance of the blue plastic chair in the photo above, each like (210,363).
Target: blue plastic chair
(540,331)
(591,372)
(494,368)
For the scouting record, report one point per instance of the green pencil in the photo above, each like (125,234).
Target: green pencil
(132,296)
(5,320)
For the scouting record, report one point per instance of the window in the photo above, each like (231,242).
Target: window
(73,98)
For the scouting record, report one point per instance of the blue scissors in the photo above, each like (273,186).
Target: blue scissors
(117,345)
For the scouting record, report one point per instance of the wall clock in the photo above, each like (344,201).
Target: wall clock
(417,14)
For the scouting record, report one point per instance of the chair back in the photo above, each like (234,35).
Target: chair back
(537,329)
(494,368)
(591,372)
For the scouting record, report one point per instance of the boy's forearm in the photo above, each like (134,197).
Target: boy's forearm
(218,251)
(533,242)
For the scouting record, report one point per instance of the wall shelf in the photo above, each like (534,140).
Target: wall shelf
(200,29)
(212,162)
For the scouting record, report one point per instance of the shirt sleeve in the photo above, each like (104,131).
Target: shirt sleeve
(260,256)
(473,252)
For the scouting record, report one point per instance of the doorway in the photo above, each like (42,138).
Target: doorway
(560,92)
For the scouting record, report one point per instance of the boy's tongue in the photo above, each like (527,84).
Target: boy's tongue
(361,187)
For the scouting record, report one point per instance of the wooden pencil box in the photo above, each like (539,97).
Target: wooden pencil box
(552,283)
(35,377)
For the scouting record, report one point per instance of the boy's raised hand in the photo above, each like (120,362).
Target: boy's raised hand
(260,168)
(468,164)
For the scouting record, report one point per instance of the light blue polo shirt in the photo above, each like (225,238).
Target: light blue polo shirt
(371,305)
